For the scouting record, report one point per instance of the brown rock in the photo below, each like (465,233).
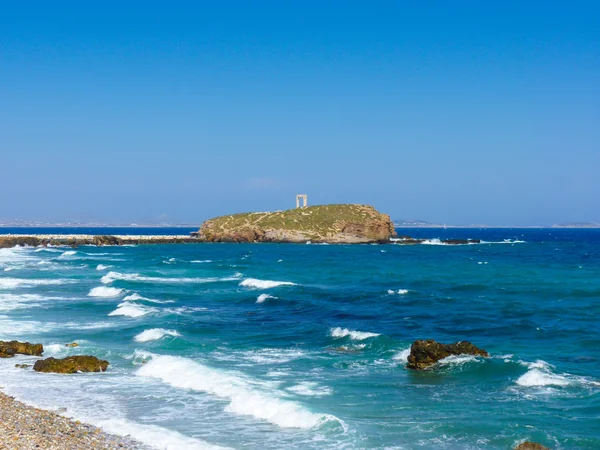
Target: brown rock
(72,344)
(426,353)
(9,349)
(22,366)
(71,364)
(530,446)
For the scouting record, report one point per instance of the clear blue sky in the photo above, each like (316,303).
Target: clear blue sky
(455,112)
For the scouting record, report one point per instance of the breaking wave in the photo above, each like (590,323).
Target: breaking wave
(339,332)
(129,309)
(243,393)
(263,298)
(264,284)
(154,334)
(104,291)
(113,276)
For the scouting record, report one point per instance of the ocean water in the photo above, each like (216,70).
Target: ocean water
(269,346)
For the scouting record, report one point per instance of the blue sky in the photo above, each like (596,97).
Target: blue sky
(463,113)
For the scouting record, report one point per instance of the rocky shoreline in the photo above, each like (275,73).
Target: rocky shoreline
(26,427)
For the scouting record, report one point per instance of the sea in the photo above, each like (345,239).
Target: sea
(304,346)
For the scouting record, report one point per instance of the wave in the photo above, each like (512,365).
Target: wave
(113,276)
(402,355)
(67,254)
(339,332)
(264,284)
(243,393)
(399,291)
(264,297)
(10,283)
(102,267)
(129,309)
(262,356)
(540,374)
(136,296)
(154,334)
(104,291)
(458,360)
(201,261)
(310,389)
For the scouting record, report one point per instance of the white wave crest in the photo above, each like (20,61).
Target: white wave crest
(136,296)
(457,360)
(129,309)
(540,374)
(154,334)
(244,394)
(399,291)
(339,332)
(102,267)
(11,283)
(264,284)
(201,261)
(104,291)
(402,355)
(263,298)
(68,253)
(112,276)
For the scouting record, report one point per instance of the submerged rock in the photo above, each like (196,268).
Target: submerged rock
(22,366)
(530,446)
(8,349)
(71,364)
(72,344)
(426,353)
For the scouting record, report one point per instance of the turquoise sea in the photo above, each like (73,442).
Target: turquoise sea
(281,346)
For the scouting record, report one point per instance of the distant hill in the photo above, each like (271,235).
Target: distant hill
(413,223)
(577,225)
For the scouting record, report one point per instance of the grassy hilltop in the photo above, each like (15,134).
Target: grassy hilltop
(343,223)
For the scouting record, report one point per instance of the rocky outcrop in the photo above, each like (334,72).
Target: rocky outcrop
(424,354)
(530,446)
(336,224)
(8,349)
(69,241)
(71,364)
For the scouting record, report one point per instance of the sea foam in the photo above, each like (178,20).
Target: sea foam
(264,284)
(540,374)
(264,297)
(242,393)
(129,309)
(11,283)
(104,291)
(112,276)
(154,334)
(339,332)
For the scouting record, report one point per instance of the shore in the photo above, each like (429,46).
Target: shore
(26,427)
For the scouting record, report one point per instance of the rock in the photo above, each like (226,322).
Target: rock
(106,240)
(336,224)
(530,446)
(71,364)
(426,353)
(22,366)
(9,349)
(461,241)
(72,344)
(12,241)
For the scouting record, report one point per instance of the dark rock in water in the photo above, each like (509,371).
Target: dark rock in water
(426,353)
(22,366)
(71,364)
(106,240)
(461,241)
(72,344)
(530,446)
(12,241)
(9,349)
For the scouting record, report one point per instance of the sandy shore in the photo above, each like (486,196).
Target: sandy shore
(24,427)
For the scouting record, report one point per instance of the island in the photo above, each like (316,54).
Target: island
(332,224)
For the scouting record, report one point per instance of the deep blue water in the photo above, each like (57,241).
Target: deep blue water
(278,346)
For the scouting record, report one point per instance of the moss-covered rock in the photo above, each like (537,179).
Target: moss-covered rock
(424,354)
(530,446)
(71,364)
(9,349)
(344,224)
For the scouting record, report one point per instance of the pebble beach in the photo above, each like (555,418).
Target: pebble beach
(24,427)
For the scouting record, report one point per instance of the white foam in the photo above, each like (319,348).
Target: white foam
(136,296)
(129,309)
(154,334)
(339,332)
(264,284)
(11,283)
(68,253)
(264,297)
(399,291)
(104,291)
(102,267)
(402,355)
(112,276)
(310,389)
(244,394)
(201,261)
(540,374)
(457,360)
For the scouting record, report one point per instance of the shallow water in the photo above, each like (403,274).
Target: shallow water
(304,346)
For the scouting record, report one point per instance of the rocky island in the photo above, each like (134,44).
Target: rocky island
(334,224)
